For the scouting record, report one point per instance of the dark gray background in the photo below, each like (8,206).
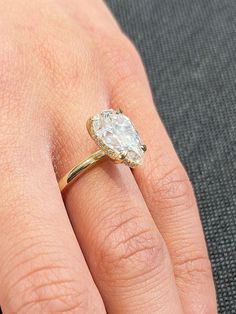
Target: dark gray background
(189,49)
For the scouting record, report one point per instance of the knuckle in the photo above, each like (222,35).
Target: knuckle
(129,249)
(122,61)
(193,269)
(120,49)
(64,66)
(127,55)
(47,289)
(43,61)
(59,303)
(171,188)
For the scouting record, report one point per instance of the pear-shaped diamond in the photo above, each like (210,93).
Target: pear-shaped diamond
(115,132)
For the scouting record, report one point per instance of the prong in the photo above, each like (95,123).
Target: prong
(89,124)
(119,110)
(123,155)
(144,147)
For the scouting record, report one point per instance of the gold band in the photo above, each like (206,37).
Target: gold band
(117,139)
(87,163)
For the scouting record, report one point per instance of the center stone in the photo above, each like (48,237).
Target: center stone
(114,131)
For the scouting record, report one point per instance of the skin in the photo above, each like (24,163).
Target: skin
(118,241)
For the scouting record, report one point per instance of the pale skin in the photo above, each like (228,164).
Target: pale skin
(118,241)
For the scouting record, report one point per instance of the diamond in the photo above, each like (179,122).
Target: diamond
(116,135)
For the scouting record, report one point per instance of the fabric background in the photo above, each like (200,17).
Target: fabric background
(189,49)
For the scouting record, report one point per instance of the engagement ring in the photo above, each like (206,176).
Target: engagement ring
(116,137)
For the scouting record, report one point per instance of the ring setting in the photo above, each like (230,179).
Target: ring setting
(116,137)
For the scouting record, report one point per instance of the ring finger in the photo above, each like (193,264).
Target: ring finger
(123,248)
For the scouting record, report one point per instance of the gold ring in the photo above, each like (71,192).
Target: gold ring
(116,137)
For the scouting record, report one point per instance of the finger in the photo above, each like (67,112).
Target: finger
(164,183)
(123,248)
(42,268)
(85,15)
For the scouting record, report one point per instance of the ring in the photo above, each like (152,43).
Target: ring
(117,139)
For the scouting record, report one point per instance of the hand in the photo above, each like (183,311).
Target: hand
(133,243)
